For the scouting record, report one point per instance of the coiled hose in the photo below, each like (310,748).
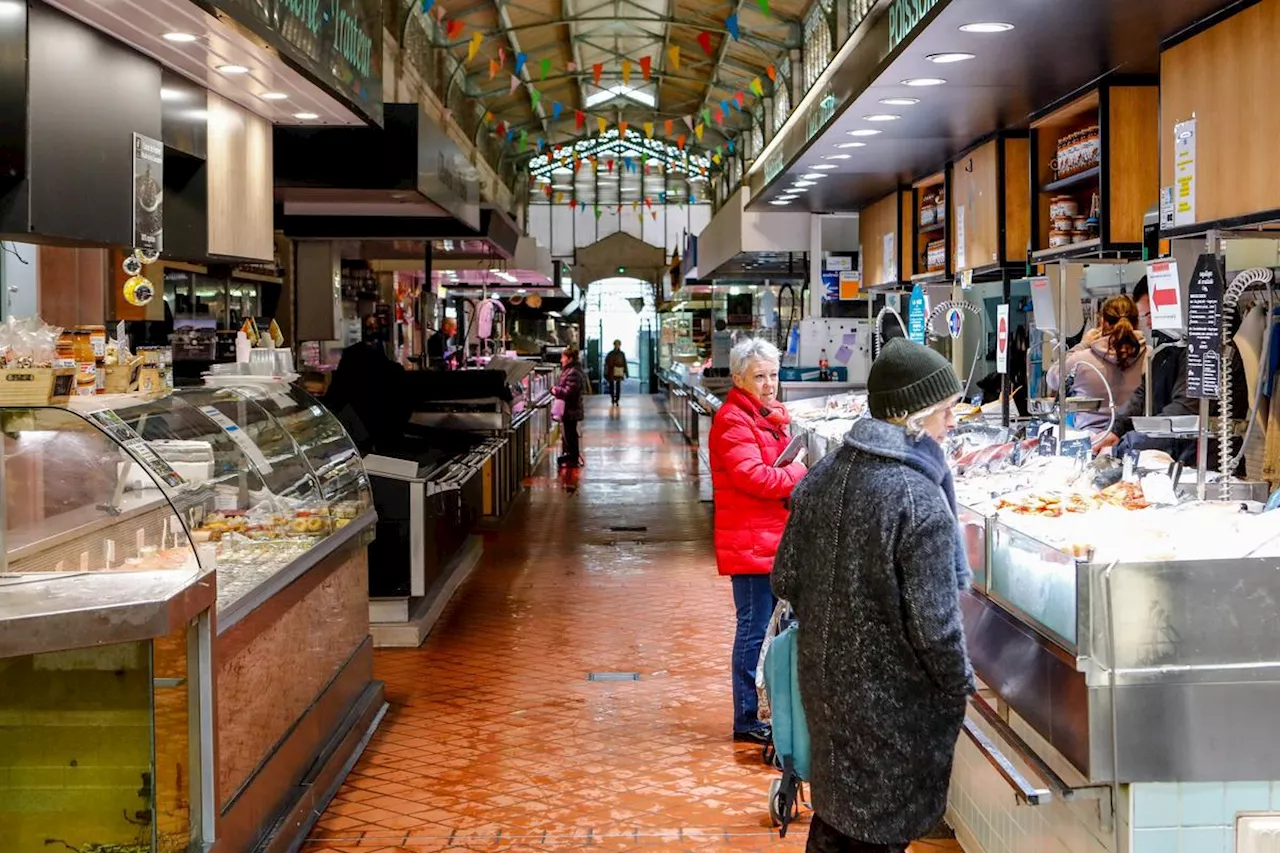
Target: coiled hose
(1230,299)
(879,323)
(963,306)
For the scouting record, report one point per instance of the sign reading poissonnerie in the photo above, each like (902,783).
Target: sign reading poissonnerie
(904,17)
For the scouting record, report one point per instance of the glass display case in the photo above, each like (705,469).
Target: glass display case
(245,479)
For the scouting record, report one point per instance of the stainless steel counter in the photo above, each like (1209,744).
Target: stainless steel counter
(68,610)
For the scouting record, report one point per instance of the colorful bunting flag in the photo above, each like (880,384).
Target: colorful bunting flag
(571,66)
(719,115)
(689,121)
(738,99)
(764,8)
(731,24)
(493,68)
(610,165)
(524,139)
(697,131)
(730,144)
(655,215)
(555,110)
(648,129)
(502,55)
(426,6)
(536,97)
(680,142)
(596,71)
(704,39)
(515,83)
(488,117)
(453,30)
(602,124)
(439,10)
(521,59)
(545,67)
(757,88)
(598,211)
(706,115)
(626,72)
(646,66)
(579,119)
(667,125)
(474,47)
(622,130)
(772,72)
(673,54)
(724,108)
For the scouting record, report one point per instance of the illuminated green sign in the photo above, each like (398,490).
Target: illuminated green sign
(905,16)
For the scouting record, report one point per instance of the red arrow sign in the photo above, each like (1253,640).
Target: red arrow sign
(1164,296)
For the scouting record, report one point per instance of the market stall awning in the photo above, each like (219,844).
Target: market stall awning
(876,87)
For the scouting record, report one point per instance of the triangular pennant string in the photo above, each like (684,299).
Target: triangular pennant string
(493,68)
(474,47)
(536,97)
(545,67)
(579,119)
(738,98)
(520,61)
(426,6)
(704,39)
(626,72)
(453,30)
(757,88)
(772,72)
(602,124)
(596,71)
(648,129)
(731,24)
(646,66)
(697,131)
(515,83)
(667,126)
(689,121)
(556,109)
(673,54)
(622,130)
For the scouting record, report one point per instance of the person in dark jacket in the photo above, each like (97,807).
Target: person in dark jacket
(367,397)
(439,355)
(615,371)
(873,564)
(571,389)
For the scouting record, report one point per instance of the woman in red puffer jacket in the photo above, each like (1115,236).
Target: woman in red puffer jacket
(749,433)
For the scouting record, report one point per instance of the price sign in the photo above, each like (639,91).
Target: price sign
(1002,338)
(1204,329)
(1166,295)
(917,313)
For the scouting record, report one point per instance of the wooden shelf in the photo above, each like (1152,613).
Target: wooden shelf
(932,229)
(1073,180)
(936,275)
(1075,250)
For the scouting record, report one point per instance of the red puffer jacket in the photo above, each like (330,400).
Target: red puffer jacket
(750,494)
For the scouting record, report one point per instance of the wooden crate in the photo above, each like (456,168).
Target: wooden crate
(122,378)
(36,386)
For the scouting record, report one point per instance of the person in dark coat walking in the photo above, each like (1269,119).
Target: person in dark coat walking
(571,389)
(872,563)
(615,371)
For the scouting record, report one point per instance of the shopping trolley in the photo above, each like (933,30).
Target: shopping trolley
(790,728)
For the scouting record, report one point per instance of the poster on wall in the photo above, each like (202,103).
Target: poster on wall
(850,284)
(917,311)
(1184,172)
(1002,338)
(1204,329)
(148,193)
(1166,295)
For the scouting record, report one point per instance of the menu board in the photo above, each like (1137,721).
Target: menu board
(1204,329)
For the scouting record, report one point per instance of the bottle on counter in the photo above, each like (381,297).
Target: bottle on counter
(824,367)
(86,363)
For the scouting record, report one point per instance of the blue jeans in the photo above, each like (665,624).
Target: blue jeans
(754,600)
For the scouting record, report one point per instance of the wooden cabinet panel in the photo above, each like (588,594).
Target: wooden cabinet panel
(1017,198)
(71,285)
(875,223)
(1133,122)
(241,192)
(1225,77)
(974,188)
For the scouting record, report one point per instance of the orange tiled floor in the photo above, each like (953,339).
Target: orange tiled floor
(496,740)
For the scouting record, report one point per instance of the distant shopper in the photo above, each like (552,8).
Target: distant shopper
(615,371)
(439,351)
(1111,357)
(872,563)
(571,389)
(749,433)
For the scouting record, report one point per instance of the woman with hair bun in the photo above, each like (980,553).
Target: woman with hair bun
(1114,350)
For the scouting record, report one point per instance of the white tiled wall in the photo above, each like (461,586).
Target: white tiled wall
(1184,817)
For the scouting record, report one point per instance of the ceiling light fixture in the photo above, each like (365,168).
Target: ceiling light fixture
(812,176)
(865,131)
(824,167)
(795,189)
(918,82)
(836,157)
(273,96)
(881,117)
(780,202)
(851,145)
(946,58)
(899,102)
(987,27)
(305,116)
(803,184)
(181,38)
(233,69)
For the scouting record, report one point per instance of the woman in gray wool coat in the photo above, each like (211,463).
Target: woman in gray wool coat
(872,563)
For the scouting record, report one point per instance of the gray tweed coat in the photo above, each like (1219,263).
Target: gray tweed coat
(872,563)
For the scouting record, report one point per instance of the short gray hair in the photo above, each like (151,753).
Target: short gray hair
(748,350)
(914,422)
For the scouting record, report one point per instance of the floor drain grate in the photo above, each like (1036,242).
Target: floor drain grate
(613,676)
(622,528)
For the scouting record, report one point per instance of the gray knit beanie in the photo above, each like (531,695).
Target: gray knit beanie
(908,378)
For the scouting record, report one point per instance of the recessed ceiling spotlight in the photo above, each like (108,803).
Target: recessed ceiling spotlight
(795,189)
(787,197)
(824,167)
(836,157)
(924,81)
(851,145)
(780,202)
(899,102)
(988,27)
(273,96)
(305,116)
(181,38)
(881,117)
(813,176)
(945,58)
(866,131)
(233,69)
(803,184)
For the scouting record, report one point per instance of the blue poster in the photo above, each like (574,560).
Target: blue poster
(831,286)
(916,315)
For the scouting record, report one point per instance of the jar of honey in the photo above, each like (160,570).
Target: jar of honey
(65,352)
(98,339)
(86,363)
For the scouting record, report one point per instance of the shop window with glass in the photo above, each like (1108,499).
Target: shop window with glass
(817,42)
(757,133)
(782,95)
(858,11)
